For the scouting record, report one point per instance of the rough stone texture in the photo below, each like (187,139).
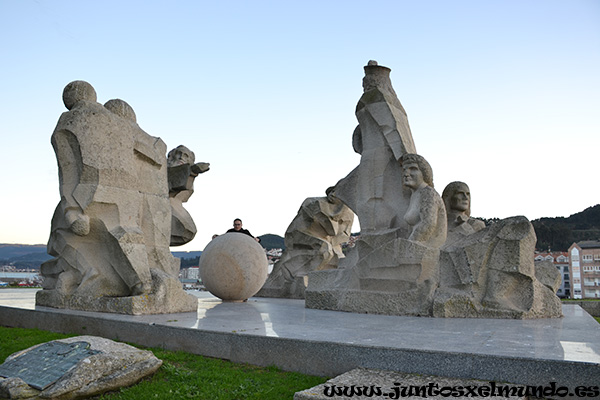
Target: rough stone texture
(392,275)
(491,274)
(386,274)
(117,365)
(391,384)
(233,267)
(426,214)
(457,200)
(394,267)
(182,170)
(383,136)
(313,242)
(397,267)
(111,231)
(548,275)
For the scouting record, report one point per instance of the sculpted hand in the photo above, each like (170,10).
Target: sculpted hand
(200,167)
(78,222)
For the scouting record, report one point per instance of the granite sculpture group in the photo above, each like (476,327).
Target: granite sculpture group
(418,253)
(118,212)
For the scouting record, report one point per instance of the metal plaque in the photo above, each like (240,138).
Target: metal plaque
(42,366)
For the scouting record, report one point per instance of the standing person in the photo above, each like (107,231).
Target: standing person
(237,228)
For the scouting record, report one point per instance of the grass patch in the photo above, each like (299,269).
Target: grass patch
(587,299)
(597,319)
(186,376)
(16,339)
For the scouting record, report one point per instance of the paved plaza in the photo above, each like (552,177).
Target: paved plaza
(282,332)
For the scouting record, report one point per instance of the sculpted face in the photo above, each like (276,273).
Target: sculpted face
(179,156)
(412,176)
(461,199)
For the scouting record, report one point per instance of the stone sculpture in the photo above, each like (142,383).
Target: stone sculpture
(491,274)
(426,214)
(313,242)
(382,137)
(393,268)
(392,271)
(457,200)
(182,170)
(233,267)
(413,257)
(111,231)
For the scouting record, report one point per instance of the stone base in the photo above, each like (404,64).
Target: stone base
(368,302)
(327,292)
(134,305)
(167,296)
(392,276)
(449,303)
(280,288)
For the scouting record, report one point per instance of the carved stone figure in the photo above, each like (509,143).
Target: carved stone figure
(393,271)
(111,231)
(182,170)
(491,274)
(412,258)
(393,268)
(313,242)
(457,200)
(382,137)
(426,214)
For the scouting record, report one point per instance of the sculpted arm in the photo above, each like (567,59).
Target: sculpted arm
(70,165)
(423,230)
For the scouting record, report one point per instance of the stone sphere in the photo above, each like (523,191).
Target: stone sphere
(233,267)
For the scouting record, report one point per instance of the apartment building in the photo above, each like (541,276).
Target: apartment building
(585,269)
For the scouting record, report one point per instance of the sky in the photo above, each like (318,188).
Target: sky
(501,94)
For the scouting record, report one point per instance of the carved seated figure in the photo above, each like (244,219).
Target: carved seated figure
(313,242)
(426,214)
(110,231)
(182,171)
(489,272)
(457,199)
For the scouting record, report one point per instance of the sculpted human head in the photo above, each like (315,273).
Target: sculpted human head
(121,108)
(377,76)
(78,91)
(415,171)
(180,155)
(457,198)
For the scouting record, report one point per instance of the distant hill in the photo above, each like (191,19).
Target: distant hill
(270,241)
(186,254)
(559,233)
(33,255)
(23,255)
(10,251)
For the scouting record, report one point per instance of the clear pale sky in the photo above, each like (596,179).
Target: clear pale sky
(501,94)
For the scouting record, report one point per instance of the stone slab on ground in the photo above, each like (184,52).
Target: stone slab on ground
(380,384)
(113,365)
